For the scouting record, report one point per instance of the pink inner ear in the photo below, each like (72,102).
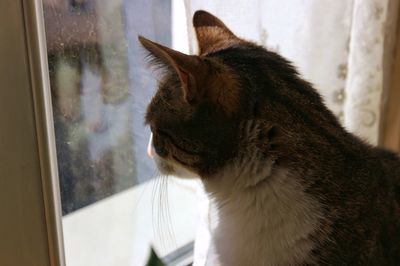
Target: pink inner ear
(150,149)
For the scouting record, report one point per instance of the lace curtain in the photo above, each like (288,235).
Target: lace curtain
(345,48)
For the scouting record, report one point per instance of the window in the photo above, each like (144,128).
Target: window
(114,206)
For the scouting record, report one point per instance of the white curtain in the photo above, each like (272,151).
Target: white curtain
(340,46)
(344,47)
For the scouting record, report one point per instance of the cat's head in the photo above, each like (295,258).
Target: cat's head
(212,108)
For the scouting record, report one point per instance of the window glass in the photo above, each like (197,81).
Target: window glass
(100,88)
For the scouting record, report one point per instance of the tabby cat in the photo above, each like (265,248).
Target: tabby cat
(291,185)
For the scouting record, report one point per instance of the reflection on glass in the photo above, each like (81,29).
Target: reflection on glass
(100,91)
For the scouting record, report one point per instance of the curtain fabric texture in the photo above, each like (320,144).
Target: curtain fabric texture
(339,46)
(345,48)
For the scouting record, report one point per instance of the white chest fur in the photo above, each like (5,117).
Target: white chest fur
(269,222)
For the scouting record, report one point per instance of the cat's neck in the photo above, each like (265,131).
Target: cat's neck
(263,216)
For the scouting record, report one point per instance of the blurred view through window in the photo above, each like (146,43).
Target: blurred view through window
(114,206)
(100,90)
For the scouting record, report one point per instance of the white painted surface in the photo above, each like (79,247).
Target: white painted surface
(120,229)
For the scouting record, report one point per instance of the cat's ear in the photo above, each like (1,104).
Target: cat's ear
(212,34)
(191,70)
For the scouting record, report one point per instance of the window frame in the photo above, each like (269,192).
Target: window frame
(32,218)
(29,191)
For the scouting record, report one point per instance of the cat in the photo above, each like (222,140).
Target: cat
(290,184)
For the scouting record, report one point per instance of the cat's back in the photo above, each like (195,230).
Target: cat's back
(387,164)
(367,228)
(390,160)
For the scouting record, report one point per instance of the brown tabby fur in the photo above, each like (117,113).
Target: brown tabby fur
(233,81)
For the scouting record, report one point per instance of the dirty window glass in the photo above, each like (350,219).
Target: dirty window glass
(100,88)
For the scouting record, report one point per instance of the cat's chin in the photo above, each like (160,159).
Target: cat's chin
(168,167)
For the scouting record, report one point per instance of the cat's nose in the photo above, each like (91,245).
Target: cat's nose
(150,148)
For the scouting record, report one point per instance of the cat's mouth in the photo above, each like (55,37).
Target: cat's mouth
(168,166)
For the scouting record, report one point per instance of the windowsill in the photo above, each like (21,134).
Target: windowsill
(119,230)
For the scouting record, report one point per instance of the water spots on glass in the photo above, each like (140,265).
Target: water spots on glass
(99,90)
